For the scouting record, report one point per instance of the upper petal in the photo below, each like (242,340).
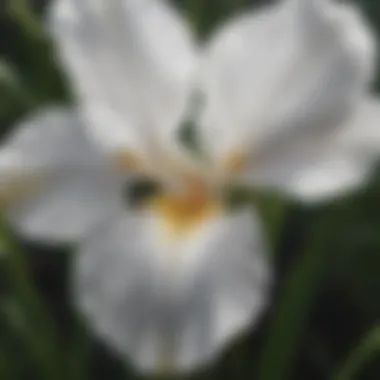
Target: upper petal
(172,305)
(132,62)
(298,67)
(327,178)
(362,134)
(54,184)
(321,169)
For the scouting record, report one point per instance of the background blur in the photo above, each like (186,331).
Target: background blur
(326,305)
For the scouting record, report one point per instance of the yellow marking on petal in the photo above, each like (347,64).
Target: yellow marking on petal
(235,162)
(19,189)
(128,161)
(186,171)
(165,362)
(182,213)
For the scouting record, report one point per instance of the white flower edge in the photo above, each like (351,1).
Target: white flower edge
(173,307)
(54,184)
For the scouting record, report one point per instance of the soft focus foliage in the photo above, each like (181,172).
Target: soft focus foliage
(323,323)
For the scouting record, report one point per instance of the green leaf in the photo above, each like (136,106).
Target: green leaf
(12,85)
(194,10)
(360,356)
(34,54)
(20,10)
(290,317)
(32,319)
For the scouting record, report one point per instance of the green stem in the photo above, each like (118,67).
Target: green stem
(10,79)
(236,5)
(21,11)
(360,356)
(6,371)
(194,10)
(291,315)
(274,210)
(79,354)
(40,336)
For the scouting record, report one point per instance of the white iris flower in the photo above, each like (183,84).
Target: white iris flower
(284,104)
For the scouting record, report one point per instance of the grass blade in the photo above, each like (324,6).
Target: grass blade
(39,333)
(360,356)
(291,316)
(21,11)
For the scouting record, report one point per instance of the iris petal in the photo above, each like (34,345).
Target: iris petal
(172,304)
(55,184)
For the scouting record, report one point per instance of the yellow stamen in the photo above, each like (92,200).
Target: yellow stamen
(183,212)
(235,161)
(128,161)
(165,361)
(19,189)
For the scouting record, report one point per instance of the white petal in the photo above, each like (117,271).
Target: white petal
(278,73)
(48,138)
(68,206)
(362,134)
(54,184)
(318,170)
(132,62)
(322,168)
(328,179)
(172,304)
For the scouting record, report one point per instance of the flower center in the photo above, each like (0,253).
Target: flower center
(235,161)
(128,161)
(182,212)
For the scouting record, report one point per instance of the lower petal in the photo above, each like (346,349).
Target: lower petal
(172,306)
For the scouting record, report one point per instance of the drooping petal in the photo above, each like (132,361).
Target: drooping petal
(172,305)
(298,67)
(362,134)
(132,62)
(330,178)
(341,163)
(54,184)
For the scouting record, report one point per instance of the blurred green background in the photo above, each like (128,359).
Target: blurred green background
(323,323)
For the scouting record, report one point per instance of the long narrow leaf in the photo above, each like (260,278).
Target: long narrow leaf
(360,356)
(291,315)
(40,333)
